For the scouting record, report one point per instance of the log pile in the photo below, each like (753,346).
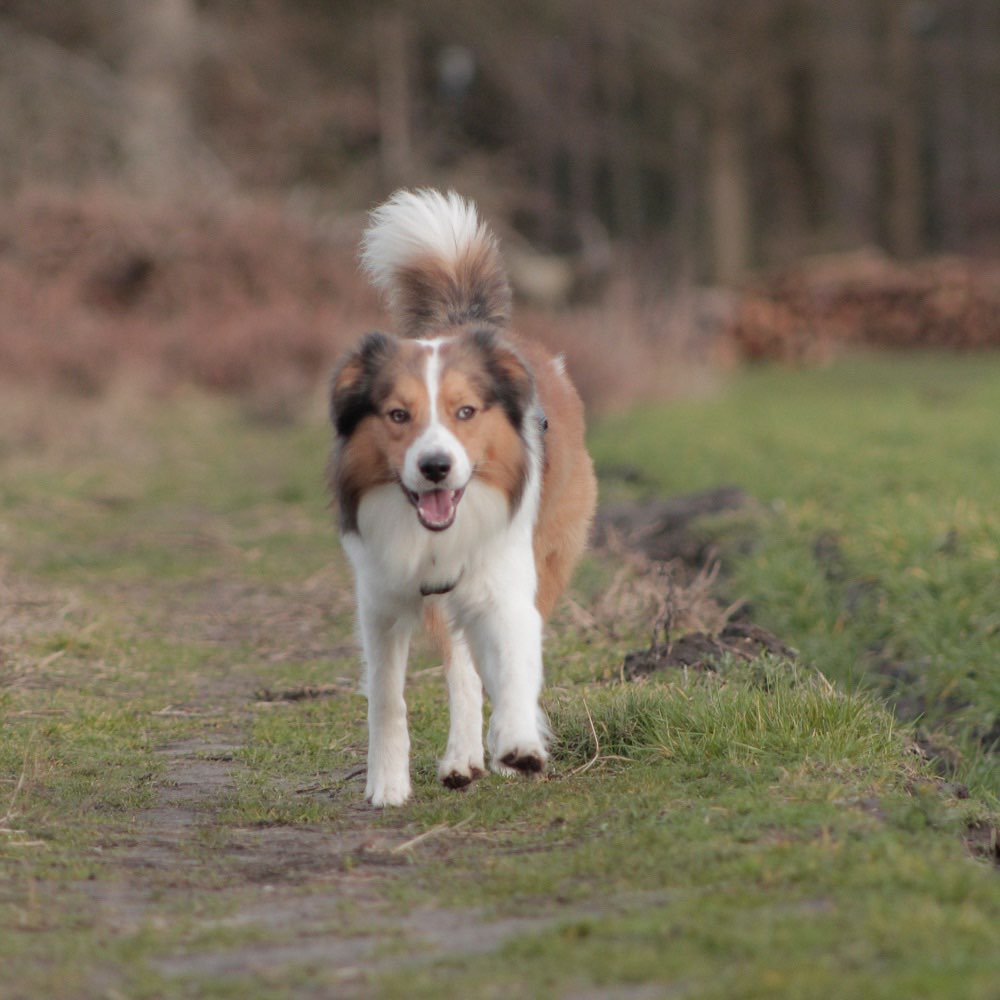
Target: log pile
(807,313)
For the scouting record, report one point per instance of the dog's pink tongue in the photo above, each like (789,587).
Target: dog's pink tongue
(436,506)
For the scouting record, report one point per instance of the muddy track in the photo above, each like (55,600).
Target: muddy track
(301,895)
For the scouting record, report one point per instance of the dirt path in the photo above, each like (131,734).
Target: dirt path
(259,899)
(298,895)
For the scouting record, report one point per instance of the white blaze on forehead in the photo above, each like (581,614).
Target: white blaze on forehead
(435,438)
(433,377)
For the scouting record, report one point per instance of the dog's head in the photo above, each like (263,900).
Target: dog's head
(432,416)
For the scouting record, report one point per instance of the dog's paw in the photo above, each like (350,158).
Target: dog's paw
(462,779)
(457,771)
(385,792)
(505,772)
(527,759)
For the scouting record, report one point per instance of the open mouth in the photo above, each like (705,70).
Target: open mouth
(435,508)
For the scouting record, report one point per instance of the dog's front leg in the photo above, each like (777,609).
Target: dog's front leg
(507,645)
(463,759)
(386,643)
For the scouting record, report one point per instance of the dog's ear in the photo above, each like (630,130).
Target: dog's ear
(351,387)
(511,382)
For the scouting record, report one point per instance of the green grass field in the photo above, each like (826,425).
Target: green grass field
(879,559)
(182,750)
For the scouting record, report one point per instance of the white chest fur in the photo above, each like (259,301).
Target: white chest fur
(393,554)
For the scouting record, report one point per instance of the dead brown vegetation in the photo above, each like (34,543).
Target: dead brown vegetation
(231,298)
(240,298)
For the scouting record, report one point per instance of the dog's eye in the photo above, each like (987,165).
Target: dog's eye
(466,412)
(399,416)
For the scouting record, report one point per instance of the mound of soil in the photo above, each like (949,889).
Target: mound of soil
(983,840)
(680,553)
(701,651)
(664,530)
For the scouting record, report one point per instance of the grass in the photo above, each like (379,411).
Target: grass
(766,709)
(879,558)
(765,829)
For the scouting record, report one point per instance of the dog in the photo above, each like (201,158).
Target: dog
(464,490)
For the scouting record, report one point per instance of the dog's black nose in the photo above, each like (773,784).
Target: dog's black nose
(435,466)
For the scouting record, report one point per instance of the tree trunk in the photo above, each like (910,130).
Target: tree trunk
(620,136)
(728,193)
(157,143)
(392,54)
(906,190)
(689,177)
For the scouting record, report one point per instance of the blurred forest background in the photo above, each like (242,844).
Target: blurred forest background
(183,182)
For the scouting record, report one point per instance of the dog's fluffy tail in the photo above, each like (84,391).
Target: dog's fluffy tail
(435,262)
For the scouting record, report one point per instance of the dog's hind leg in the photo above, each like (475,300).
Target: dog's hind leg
(463,759)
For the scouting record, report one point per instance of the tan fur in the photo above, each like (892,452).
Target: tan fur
(488,438)
(504,415)
(434,297)
(437,631)
(569,487)
(374,454)
(360,465)
(431,294)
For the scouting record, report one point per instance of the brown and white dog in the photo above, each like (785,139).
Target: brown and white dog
(464,490)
